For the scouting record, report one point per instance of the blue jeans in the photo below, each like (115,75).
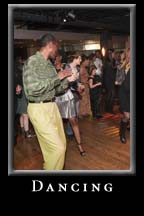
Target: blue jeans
(68,129)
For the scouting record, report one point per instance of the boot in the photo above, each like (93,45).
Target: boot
(122,132)
(128,125)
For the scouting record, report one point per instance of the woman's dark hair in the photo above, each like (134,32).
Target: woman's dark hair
(91,56)
(45,39)
(84,58)
(91,68)
(73,56)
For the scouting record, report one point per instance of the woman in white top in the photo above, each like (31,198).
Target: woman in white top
(98,63)
(68,103)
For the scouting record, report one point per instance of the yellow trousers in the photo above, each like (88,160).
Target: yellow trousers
(48,126)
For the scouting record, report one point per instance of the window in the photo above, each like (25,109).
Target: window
(91,47)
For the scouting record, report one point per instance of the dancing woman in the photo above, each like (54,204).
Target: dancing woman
(68,103)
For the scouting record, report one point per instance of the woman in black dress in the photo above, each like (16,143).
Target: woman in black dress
(95,84)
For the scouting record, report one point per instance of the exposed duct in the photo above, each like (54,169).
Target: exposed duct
(29,17)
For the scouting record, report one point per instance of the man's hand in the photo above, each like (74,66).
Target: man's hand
(65,73)
(72,78)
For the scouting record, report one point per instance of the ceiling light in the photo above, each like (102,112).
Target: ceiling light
(64,20)
(103,51)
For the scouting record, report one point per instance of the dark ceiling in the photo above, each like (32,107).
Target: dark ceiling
(90,20)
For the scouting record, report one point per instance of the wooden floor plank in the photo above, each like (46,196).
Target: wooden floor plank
(101,142)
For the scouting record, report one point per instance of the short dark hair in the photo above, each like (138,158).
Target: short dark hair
(45,39)
(74,55)
(84,58)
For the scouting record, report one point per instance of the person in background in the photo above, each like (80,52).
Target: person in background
(120,73)
(124,96)
(116,62)
(109,82)
(17,94)
(84,107)
(92,58)
(98,63)
(41,84)
(95,84)
(58,63)
(22,103)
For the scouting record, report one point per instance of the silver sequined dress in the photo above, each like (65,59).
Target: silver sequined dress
(68,103)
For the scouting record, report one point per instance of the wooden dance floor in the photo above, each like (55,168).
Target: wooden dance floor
(100,139)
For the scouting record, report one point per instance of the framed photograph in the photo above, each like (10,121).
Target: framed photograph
(71,96)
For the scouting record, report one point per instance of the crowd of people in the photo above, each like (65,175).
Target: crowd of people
(54,91)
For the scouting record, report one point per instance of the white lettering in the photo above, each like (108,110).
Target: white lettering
(108,187)
(62,187)
(85,187)
(50,188)
(97,187)
(72,187)
(34,185)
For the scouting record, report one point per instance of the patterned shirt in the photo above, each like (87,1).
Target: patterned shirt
(40,79)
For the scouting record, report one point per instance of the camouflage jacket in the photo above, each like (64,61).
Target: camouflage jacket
(40,79)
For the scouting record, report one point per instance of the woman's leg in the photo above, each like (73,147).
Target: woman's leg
(21,119)
(123,126)
(25,121)
(75,127)
(26,126)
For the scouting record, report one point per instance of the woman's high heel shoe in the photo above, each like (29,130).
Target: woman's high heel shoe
(82,152)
